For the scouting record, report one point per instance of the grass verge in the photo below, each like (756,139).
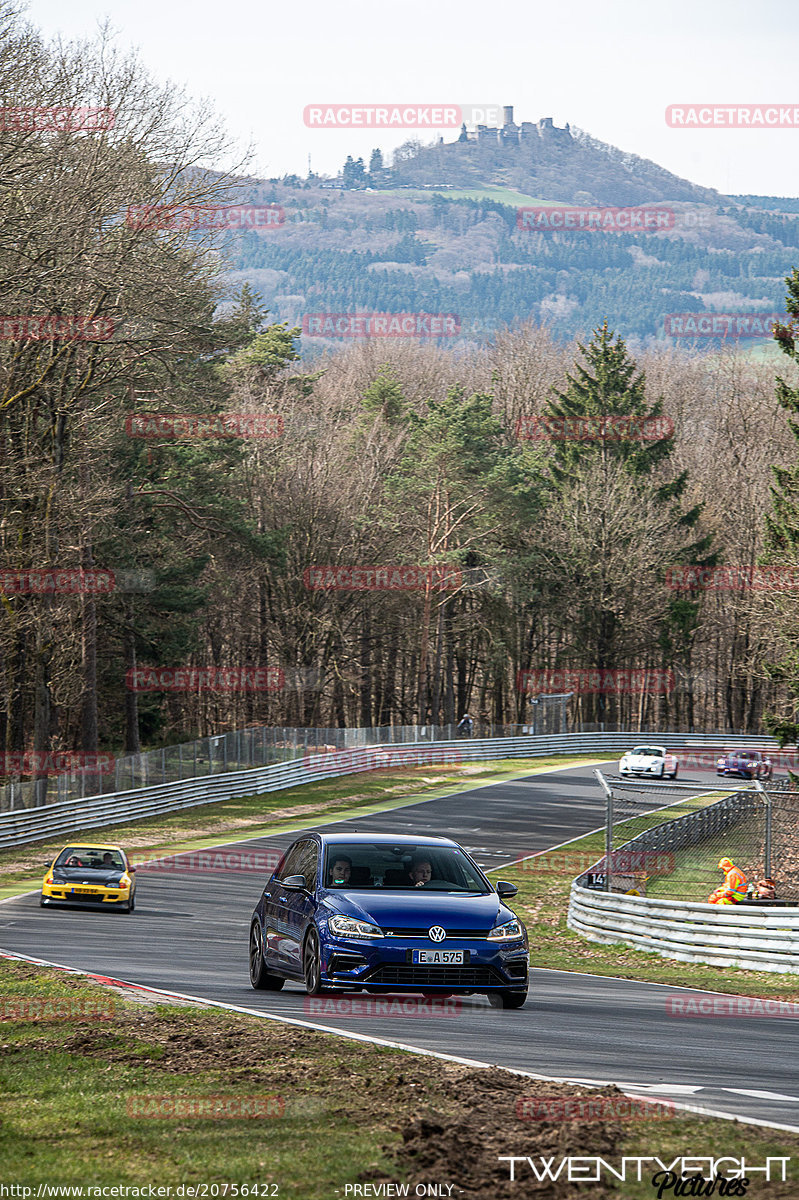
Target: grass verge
(74,1094)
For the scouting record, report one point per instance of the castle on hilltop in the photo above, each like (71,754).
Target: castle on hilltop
(511,134)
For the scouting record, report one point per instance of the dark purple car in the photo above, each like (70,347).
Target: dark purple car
(749,763)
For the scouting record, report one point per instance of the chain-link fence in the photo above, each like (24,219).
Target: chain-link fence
(548,714)
(243,749)
(666,839)
(784,839)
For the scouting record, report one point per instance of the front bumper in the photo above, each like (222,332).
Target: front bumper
(55,894)
(383,965)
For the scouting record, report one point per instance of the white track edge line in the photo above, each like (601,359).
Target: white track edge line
(392,1045)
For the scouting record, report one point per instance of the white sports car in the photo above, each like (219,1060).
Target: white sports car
(648,760)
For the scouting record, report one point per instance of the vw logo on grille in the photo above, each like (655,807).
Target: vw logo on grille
(436,933)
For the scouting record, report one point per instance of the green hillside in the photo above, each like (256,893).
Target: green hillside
(489,192)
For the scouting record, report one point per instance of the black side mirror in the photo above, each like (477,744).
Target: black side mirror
(505,889)
(131,870)
(294,883)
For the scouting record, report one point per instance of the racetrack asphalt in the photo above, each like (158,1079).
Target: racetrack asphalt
(189,935)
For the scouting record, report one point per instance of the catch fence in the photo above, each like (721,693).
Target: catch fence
(665,840)
(247,749)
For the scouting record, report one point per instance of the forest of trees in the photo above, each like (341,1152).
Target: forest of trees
(529,553)
(341,251)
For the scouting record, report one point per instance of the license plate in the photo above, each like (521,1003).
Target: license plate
(86,891)
(439,958)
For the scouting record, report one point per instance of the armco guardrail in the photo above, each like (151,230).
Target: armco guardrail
(236,750)
(761,939)
(29,825)
(19,827)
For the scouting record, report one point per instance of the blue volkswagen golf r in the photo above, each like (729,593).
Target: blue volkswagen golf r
(388,914)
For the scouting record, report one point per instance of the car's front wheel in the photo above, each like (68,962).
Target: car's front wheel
(312,964)
(260,978)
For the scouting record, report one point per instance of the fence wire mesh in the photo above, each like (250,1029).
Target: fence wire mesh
(260,746)
(665,840)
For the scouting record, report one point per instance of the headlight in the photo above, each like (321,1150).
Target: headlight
(511,931)
(350,927)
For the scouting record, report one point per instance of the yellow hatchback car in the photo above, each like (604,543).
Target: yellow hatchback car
(92,877)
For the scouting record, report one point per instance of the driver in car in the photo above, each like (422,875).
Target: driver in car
(421,872)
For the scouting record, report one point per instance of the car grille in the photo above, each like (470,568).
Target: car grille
(422,976)
(401,931)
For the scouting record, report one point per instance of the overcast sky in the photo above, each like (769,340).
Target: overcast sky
(610,67)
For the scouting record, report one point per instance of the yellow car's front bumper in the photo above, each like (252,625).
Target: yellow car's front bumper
(67,893)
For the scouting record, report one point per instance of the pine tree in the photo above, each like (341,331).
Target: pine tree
(604,410)
(608,457)
(384,395)
(353,173)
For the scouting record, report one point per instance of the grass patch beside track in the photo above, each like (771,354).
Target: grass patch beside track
(695,865)
(544,884)
(71,1091)
(207,825)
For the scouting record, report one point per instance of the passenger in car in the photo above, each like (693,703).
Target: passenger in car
(340,873)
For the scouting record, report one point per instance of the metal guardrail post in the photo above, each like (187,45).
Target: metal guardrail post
(608,825)
(767,838)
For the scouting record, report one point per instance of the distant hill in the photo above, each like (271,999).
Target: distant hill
(780,204)
(437,232)
(559,164)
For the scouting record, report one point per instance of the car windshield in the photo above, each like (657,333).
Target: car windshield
(650,751)
(90,858)
(355,865)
